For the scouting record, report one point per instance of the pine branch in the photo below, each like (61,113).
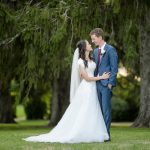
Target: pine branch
(11,39)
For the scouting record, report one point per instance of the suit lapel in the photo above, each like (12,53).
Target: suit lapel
(96,55)
(105,48)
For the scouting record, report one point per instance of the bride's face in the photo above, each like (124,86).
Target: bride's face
(88,46)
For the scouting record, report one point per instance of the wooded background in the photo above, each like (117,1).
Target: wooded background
(37,41)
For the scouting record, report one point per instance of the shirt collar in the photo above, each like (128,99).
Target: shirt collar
(102,47)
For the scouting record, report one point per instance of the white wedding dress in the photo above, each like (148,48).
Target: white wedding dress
(83,120)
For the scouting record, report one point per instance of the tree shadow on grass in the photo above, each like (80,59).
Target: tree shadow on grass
(26,125)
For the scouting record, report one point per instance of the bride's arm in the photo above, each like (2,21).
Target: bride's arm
(85,76)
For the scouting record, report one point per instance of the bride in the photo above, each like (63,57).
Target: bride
(83,120)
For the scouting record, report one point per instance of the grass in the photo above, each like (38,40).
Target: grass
(20,112)
(123,138)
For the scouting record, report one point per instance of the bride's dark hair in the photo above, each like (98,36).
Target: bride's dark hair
(82,48)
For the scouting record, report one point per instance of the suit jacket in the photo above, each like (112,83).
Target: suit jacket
(108,63)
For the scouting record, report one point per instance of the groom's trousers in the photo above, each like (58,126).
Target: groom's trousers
(104,96)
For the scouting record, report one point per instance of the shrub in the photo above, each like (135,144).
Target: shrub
(35,107)
(120,109)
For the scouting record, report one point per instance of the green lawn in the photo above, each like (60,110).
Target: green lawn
(123,138)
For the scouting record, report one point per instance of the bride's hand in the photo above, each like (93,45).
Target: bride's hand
(105,75)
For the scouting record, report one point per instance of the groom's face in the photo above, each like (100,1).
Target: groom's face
(96,40)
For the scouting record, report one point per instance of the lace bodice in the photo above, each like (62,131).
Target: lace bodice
(91,66)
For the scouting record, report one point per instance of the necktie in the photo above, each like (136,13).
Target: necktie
(99,53)
(99,56)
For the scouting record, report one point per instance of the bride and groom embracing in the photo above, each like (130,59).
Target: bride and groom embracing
(88,117)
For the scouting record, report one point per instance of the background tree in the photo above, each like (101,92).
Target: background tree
(143,119)
(42,36)
(39,40)
(134,29)
(8,64)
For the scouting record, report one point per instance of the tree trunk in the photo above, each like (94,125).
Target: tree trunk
(6,109)
(60,98)
(143,119)
(64,93)
(54,104)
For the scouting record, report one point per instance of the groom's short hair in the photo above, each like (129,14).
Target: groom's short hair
(98,32)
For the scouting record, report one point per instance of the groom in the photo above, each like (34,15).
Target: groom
(106,59)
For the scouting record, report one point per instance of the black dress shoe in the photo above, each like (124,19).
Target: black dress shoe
(107,140)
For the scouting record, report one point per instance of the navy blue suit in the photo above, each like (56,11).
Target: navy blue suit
(108,63)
